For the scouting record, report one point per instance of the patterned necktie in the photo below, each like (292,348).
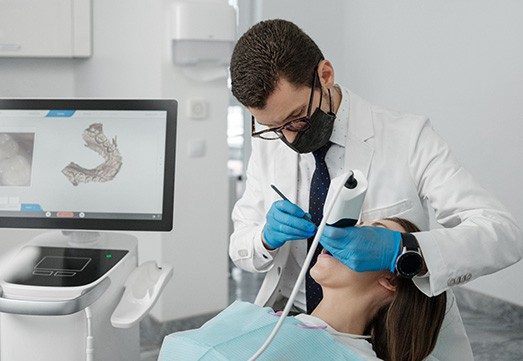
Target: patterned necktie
(319,188)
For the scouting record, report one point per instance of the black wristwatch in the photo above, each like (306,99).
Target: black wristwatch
(410,262)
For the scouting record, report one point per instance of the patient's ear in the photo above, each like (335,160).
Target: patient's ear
(389,281)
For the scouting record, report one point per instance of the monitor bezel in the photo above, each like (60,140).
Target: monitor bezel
(163,225)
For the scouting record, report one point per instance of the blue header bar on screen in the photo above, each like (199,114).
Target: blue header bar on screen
(60,113)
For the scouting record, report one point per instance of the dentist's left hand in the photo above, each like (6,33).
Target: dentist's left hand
(363,248)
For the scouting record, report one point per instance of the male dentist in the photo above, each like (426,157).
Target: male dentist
(307,130)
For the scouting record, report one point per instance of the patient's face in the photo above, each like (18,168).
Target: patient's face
(329,272)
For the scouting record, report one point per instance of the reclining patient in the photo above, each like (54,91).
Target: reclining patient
(362,316)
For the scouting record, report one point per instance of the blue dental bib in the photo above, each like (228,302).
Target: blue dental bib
(238,332)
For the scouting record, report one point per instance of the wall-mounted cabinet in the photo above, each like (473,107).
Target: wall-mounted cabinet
(45,28)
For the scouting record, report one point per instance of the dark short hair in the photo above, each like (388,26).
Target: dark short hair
(267,52)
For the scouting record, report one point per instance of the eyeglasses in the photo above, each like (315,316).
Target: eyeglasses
(296,125)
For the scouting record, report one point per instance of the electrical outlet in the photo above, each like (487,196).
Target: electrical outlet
(197,108)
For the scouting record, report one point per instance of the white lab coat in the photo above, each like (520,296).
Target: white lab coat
(410,169)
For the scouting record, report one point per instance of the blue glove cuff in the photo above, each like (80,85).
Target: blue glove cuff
(397,250)
(268,242)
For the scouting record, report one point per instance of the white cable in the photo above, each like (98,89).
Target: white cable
(89,344)
(300,279)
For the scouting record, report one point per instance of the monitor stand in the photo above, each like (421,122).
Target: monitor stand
(83,238)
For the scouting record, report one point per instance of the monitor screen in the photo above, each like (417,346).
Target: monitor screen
(88,164)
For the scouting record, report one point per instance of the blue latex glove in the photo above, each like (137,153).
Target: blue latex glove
(363,248)
(284,223)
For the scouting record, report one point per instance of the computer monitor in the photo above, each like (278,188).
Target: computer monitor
(87,164)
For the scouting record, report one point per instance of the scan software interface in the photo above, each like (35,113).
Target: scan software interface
(82,163)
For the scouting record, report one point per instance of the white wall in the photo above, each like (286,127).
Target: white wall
(320,19)
(36,77)
(132,59)
(458,62)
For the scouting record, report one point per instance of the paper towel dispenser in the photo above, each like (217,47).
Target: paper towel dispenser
(202,32)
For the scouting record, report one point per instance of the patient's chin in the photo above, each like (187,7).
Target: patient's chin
(316,275)
(321,269)
(329,272)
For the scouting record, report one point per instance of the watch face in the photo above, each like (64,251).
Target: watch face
(409,264)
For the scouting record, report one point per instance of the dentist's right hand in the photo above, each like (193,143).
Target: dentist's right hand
(284,223)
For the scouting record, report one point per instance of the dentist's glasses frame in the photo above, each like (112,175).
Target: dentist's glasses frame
(296,125)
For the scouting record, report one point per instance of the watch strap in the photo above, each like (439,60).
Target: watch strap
(409,242)
(410,261)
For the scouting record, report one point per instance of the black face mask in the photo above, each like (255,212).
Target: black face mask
(317,134)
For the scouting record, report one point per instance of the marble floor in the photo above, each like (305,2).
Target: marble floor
(495,328)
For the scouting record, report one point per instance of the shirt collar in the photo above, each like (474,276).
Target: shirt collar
(339,131)
(315,321)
